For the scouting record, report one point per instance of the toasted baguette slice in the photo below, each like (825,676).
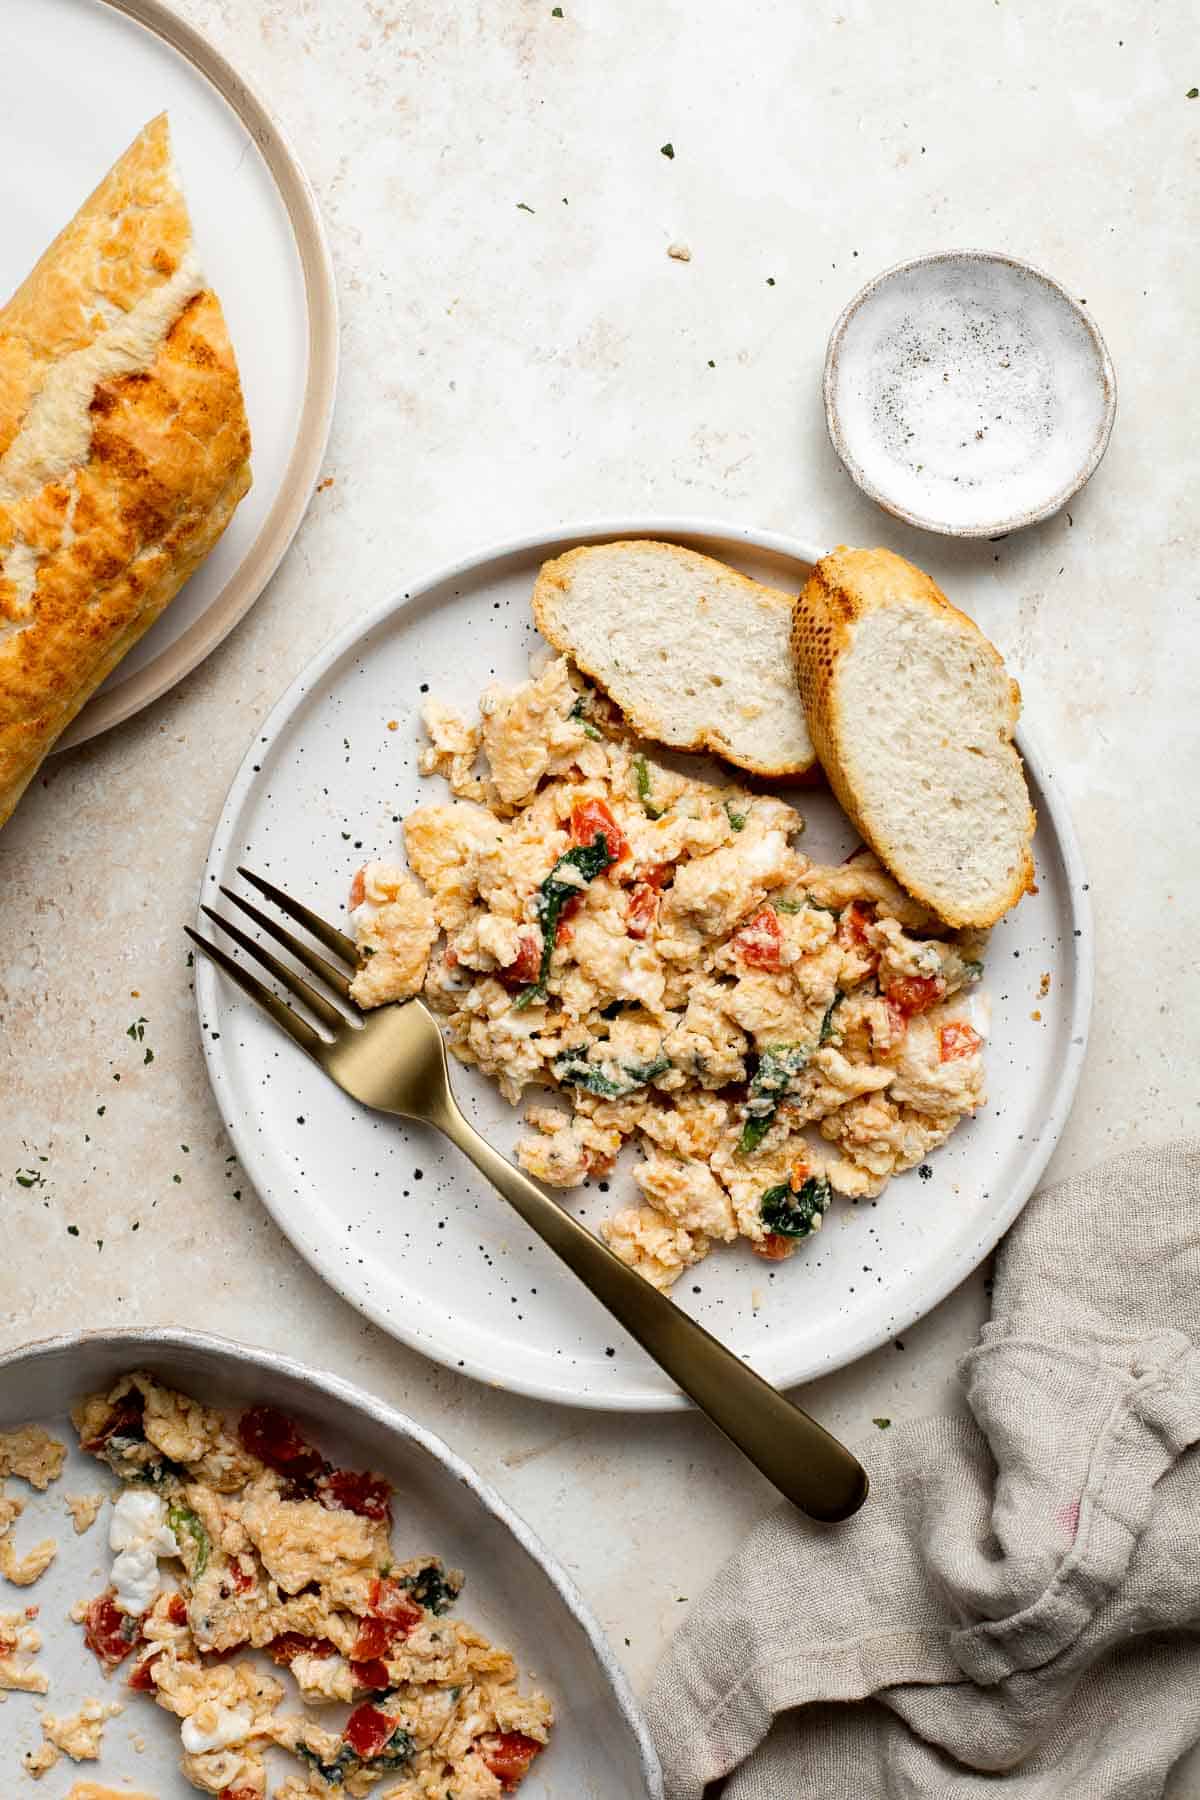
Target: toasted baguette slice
(912,715)
(693,653)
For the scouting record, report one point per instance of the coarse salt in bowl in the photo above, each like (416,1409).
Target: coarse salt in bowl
(968,393)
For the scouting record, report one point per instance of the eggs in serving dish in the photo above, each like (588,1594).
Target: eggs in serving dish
(652,954)
(267,1547)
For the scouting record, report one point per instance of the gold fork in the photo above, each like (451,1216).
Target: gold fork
(393,1058)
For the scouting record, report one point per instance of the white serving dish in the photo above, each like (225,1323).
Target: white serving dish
(515,1591)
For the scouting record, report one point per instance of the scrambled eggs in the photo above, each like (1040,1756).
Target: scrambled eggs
(20,1642)
(271,1548)
(80,1737)
(36,1457)
(654,950)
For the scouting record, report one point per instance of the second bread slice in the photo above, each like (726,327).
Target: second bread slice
(913,714)
(694,654)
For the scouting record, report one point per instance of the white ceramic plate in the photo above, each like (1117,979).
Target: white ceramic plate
(401,1226)
(81,78)
(515,1592)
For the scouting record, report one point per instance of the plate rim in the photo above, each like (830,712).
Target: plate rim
(399,1424)
(263,556)
(830,376)
(255,1161)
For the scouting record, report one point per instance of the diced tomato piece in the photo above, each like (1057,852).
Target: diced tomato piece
(269,1434)
(642,911)
(570,906)
(372,1675)
(240,1793)
(358,887)
(367,1730)
(657,875)
(125,1420)
(775,1247)
(290,1644)
(142,1680)
(916,993)
(242,1579)
(760,940)
(957,1039)
(108,1633)
(390,1600)
(507,1755)
(177,1609)
(353,1490)
(528,962)
(798,1175)
(590,816)
(374,1637)
(378,1633)
(852,926)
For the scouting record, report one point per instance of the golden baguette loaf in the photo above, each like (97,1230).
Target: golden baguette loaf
(912,715)
(124,447)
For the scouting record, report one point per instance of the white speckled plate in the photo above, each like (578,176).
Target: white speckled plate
(81,78)
(515,1591)
(393,1218)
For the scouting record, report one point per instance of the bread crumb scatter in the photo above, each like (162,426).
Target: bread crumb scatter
(679,252)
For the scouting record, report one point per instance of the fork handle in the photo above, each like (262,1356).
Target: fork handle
(810,1467)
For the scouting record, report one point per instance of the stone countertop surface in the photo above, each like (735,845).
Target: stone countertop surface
(505,369)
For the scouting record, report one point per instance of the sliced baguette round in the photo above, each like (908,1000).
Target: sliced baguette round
(694,654)
(912,715)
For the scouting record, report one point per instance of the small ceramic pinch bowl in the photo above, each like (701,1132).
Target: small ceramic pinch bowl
(968,393)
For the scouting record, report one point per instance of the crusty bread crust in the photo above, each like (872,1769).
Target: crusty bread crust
(124,447)
(644,694)
(842,590)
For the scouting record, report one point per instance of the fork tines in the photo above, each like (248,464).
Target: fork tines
(331,1016)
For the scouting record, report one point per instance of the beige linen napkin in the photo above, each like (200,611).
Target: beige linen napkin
(1016,1610)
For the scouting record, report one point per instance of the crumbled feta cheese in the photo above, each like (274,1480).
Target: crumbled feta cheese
(139,1531)
(215,1728)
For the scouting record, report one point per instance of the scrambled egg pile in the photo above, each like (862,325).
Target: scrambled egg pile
(654,950)
(271,1548)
